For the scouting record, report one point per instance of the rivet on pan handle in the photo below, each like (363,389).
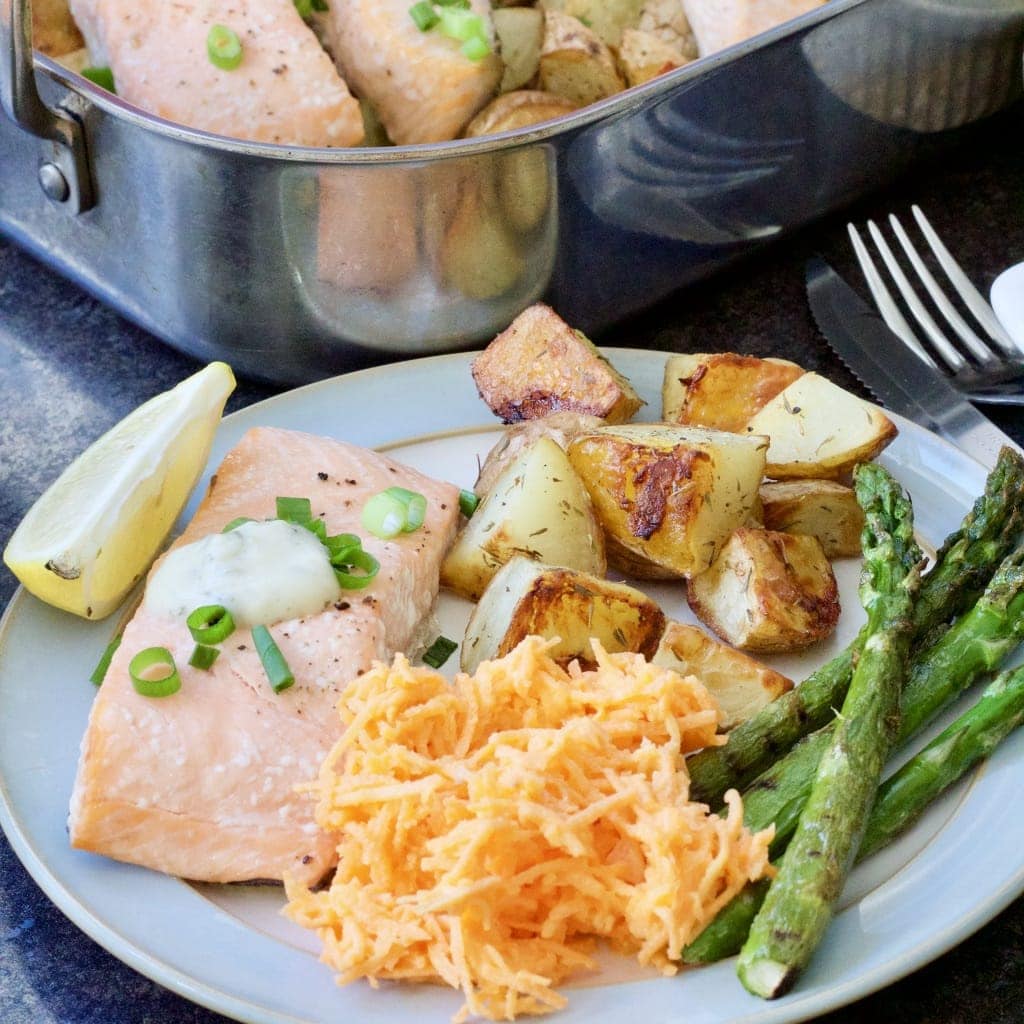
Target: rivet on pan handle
(63,170)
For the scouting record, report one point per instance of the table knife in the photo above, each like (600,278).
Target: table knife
(901,381)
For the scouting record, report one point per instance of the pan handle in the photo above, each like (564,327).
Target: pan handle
(63,169)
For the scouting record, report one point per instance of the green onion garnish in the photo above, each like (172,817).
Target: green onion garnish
(203,657)
(355,558)
(298,511)
(464,4)
(210,624)
(424,15)
(236,523)
(305,8)
(468,503)
(278,673)
(415,507)
(103,77)
(340,543)
(384,515)
(104,663)
(320,5)
(161,684)
(223,47)
(457,23)
(475,48)
(439,652)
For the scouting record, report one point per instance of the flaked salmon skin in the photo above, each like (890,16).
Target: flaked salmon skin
(202,784)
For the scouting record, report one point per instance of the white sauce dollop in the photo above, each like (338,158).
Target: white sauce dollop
(260,572)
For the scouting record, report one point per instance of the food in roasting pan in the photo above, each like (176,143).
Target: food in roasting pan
(401,73)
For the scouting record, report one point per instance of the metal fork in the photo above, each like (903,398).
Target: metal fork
(991,371)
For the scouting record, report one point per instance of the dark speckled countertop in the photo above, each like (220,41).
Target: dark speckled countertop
(70,368)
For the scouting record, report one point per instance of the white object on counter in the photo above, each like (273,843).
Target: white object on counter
(1007,298)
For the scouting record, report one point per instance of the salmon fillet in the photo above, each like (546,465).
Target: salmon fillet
(717,24)
(286,90)
(420,84)
(201,784)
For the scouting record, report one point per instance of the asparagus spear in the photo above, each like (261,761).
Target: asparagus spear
(963,565)
(798,906)
(976,644)
(901,800)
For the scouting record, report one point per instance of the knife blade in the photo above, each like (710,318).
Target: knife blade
(897,377)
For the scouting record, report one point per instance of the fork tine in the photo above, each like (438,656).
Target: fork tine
(884,301)
(971,296)
(945,350)
(953,318)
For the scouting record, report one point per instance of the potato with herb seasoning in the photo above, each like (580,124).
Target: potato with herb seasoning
(740,684)
(767,592)
(537,507)
(575,62)
(819,508)
(530,598)
(668,497)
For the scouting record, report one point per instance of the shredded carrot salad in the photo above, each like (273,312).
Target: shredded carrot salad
(489,830)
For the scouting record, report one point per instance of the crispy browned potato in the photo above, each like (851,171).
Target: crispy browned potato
(575,63)
(721,390)
(561,427)
(539,365)
(768,592)
(537,507)
(667,20)
(54,31)
(668,495)
(520,32)
(820,508)
(517,110)
(604,18)
(741,685)
(528,598)
(819,431)
(643,56)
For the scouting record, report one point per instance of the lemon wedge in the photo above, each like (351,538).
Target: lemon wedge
(94,532)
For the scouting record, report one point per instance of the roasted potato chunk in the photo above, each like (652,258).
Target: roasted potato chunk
(537,507)
(520,32)
(561,427)
(517,110)
(667,20)
(741,685)
(767,591)
(643,56)
(819,431)
(721,390)
(669,495)
(818,508)
(605,18)
(54,31)
(575,63)
(526,597)
(539,365)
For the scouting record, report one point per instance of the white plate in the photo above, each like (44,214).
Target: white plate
(228,949)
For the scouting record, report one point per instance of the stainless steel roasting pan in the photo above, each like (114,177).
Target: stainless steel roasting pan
(293,264)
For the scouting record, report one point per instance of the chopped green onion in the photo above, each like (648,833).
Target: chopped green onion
(320,5)
(295,510)
(461,24)
(356,558)
(384,515)
(103,77)
(475,48)
(203,657)
(468,503)
(415,507)
(341,542)
(439,652)
(210,624)
(223,47)
(104,663)
(305,8)
(317,527)
(145,682)
(424,15)
(464,4)
(236,523)
(278,673)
